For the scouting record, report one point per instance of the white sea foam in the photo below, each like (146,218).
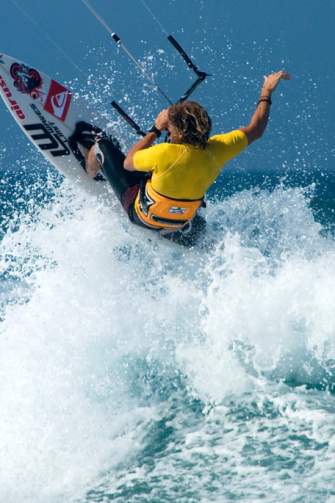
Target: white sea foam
(103,295)
(269,305)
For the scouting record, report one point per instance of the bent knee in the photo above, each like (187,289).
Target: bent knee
(91,163)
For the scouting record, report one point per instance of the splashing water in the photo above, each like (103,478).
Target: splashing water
(132,366)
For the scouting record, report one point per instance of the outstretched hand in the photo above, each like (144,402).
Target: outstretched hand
(271,81)
(162,119)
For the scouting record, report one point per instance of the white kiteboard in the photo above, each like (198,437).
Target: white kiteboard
(47,113)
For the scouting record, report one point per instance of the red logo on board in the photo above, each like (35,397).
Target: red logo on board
(26,80)
(58,101)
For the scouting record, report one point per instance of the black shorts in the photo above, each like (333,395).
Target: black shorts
(125,184)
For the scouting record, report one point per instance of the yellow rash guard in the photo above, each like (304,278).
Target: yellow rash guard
(186,172)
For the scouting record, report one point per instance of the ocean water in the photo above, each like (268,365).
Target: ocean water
(135,370)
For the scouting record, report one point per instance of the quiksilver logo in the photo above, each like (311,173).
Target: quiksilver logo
(59,100)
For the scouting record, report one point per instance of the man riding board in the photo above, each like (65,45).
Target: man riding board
(162,186)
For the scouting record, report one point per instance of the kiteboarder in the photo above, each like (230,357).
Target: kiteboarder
(163,186)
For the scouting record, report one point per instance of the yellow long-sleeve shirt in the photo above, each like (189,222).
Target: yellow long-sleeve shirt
(185,172)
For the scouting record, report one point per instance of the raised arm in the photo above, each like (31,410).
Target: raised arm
(161,123)
(260,118)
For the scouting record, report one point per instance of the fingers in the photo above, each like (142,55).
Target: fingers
(281,74)
(285,75)
(162,119)
(271,81)
(163,113)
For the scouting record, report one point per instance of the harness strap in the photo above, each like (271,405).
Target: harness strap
(161,212)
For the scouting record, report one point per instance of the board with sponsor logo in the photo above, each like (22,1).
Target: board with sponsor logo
(47,112)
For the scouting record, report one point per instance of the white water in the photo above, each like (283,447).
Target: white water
(95,295)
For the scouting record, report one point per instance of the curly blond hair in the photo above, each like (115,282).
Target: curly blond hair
(192,122)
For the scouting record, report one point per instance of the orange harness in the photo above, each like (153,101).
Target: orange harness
(161,212)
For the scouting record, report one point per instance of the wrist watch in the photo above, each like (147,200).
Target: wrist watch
(155,130)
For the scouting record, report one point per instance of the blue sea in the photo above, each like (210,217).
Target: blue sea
(135,370)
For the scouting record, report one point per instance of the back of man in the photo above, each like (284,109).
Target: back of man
(181,171)
(162,187)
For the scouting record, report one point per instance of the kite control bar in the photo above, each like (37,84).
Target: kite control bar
(201,76)
(127,118)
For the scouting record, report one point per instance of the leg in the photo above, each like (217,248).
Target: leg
(91,164)
(103,152)
(85,135)
(107,156)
